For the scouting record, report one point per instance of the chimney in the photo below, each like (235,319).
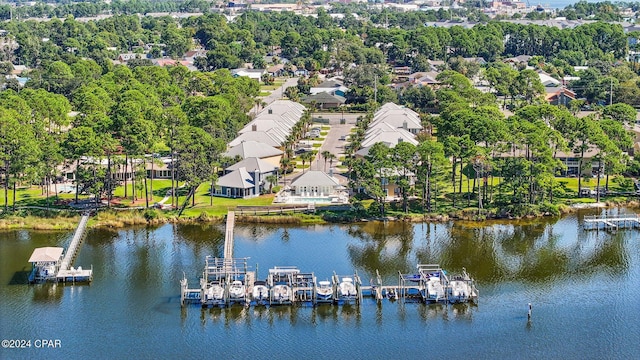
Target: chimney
(254,127)
(270,111)
(405,125)
(256,182)
(399,140)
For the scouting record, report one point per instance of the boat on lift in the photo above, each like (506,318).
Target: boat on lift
(281,293)
(462,288)
(347,289)
(237,290)
(324,291)
(213,293)
(260,292)
(435,288)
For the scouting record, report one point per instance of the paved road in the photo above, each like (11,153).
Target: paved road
(279,92)
(332,142)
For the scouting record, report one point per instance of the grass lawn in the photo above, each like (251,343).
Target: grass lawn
(160,189)
(264,93)
(33,196)
(325,127)
(220,204)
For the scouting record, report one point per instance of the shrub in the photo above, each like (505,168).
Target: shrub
(151,214)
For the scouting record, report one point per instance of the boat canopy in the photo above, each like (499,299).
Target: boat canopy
(46,254)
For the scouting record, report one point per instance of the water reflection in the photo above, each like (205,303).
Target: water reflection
(49,293)
(384,246)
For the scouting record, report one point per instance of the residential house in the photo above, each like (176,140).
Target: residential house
(324,100)
(248,149)
(238,184)
(424,78)
(160,169)
(123,58)
(478,60)
(391,125)
(559,95)
(518,60)
(389,184)
(402,73)
(269,137)
(255,74)
(547,80)
(263,167)
(191,55)
(570,160)
(315,183)
(390,136)
(331,86)
(281,70)
(394,123)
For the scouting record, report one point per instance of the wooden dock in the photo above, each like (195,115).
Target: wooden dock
(613,222)
(228,235)
(66,271)
(276,209)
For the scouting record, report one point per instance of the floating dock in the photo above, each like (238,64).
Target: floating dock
(49,264)
(612,222)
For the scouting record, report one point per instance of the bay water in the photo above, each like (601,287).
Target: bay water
(584,287)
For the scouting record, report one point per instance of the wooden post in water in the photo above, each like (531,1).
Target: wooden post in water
(529,314)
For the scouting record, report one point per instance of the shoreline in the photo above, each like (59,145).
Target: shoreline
(110,219)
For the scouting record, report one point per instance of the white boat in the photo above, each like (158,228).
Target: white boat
(214,292)
(435,290)
(237,290)
(347,289)
(260,291)
(324,292)
(459,290)
(281,293)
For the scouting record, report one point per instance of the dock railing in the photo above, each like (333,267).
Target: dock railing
(74,245)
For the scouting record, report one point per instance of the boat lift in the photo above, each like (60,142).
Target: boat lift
(282,275)
(426,271)
(358,285)
(304,287)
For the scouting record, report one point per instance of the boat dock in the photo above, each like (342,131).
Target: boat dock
(286,285)
(612,222)
(49,264)
(227,281)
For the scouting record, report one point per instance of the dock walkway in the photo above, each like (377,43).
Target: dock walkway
(228,235)
(614,222)
(67,272)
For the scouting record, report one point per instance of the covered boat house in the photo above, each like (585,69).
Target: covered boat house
(45,263)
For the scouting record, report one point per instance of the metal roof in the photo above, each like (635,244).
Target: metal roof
(46,254)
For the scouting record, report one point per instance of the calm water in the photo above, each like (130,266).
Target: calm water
(583,286)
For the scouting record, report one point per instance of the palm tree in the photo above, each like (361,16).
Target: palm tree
(271,179)
(284,165)
(325,155)
(331,158)
(307,156)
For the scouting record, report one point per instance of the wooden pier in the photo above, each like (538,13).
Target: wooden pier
(67,272)
(612,222)
(276,209)
(228,235)
(48,264)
